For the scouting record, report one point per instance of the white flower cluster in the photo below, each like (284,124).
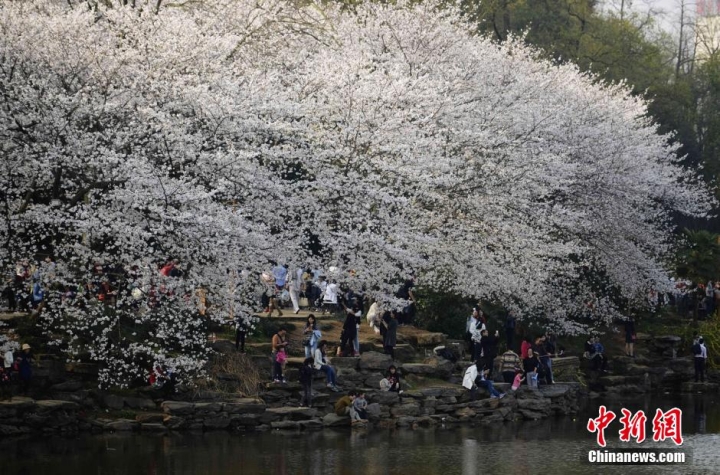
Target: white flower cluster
(384,140)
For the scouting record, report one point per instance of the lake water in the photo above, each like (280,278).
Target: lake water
(547,447)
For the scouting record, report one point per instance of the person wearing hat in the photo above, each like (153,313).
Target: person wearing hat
(25,368)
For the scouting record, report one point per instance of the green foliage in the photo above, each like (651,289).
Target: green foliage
(699,259)
(710,331)
(442,312)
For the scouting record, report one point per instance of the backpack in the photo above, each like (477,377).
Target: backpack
(447,354)
(696,349)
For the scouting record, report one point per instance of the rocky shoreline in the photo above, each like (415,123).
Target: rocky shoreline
(69,403)
(425,407)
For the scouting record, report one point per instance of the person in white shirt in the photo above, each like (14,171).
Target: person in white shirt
(701,355)
(476,328)
(293,287)
(330,297)
(8,359)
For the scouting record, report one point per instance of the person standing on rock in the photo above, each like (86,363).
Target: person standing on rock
(241,330)
(311,336)
(322,364)
(25,368)
(349,331)
(278,341)
(630,337)
(476,328)
(358,320)
(525,346)
(599,359)
(293,287)
(545,367)
(383,323)
(509,362)
(700,353)
(488,345)
(273,304)
(306,377)
(550,352)
(510,324)
(391,334)
(531,365)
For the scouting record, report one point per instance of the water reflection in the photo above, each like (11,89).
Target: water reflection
(543,447)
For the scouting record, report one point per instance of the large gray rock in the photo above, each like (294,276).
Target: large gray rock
(453,392)
(347,375)
(245,406)
(206,408)
(374,411)
(419,368)
(554,390)
(140,403)
(443,368)
(373,380)
(413,394)
(405,410)
(333,420)
(178,408)
(373,360)
(384,398)
(344,362)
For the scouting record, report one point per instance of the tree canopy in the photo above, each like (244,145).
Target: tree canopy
(228,134)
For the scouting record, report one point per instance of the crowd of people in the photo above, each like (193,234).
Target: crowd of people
(26,287)
(16,369)
(312,289)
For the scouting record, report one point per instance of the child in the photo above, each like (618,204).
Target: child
(306,375)
(519,378)
(280,360)
(360,407)
(393,378)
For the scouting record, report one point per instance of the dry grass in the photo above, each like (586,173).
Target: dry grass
(234,374)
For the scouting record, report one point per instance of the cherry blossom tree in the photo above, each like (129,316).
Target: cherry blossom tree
(384,140)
